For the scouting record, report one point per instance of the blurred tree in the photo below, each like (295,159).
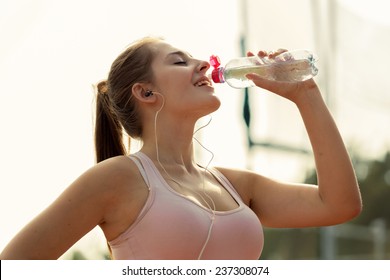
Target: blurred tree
(374,181)
(77,255)
(375,189)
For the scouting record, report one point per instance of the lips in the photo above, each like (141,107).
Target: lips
(203,81)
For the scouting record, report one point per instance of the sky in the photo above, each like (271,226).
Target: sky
(52,52)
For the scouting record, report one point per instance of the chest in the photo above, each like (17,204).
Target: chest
(206,192)
(175,227)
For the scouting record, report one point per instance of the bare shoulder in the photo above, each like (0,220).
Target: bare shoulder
(242,180)
(249,183)
(106,179)
(122,191)
(109,194)
(112,173)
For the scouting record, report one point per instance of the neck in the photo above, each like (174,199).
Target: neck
(171,143)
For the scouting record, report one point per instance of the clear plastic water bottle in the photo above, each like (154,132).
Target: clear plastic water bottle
(292,66)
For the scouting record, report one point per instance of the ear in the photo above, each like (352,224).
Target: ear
(139,91)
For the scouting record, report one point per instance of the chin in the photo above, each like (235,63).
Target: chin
(215,102)
(214,106)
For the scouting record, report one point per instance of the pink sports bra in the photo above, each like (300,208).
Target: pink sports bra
(171,226)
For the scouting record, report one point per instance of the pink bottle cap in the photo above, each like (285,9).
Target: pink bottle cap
(215,61)
(217,73)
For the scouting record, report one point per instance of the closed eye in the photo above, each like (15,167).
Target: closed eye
(181,63)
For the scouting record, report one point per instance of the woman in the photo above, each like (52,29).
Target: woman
(159,203)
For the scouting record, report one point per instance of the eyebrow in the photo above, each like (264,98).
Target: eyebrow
(181,53)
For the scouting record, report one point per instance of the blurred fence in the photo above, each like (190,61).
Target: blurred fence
(347,241)
(375,234)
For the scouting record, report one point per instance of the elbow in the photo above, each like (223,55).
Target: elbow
(350,209)
(345,209)
(356,204)
(344,215)
(353,211)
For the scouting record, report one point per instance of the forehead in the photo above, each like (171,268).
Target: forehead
(164,50)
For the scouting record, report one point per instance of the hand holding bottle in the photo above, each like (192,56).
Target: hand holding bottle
(288,88)
(281,66)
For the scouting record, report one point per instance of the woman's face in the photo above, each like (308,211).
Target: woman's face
(183,82)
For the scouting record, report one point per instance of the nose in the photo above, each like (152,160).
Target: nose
(203,66)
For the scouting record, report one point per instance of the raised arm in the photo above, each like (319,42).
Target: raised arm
(337,197)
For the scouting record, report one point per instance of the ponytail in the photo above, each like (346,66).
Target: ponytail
(117,110)
(108,130)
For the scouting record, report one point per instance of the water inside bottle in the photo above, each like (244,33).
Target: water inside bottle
(286,71)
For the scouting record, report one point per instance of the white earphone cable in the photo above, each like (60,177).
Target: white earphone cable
(212,207)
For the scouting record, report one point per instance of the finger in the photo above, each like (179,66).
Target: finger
(279,51)
(262,53)
(274,54)
(283,55)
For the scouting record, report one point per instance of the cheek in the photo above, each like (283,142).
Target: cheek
(174,82)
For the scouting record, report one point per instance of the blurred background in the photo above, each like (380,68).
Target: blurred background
(53,51)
